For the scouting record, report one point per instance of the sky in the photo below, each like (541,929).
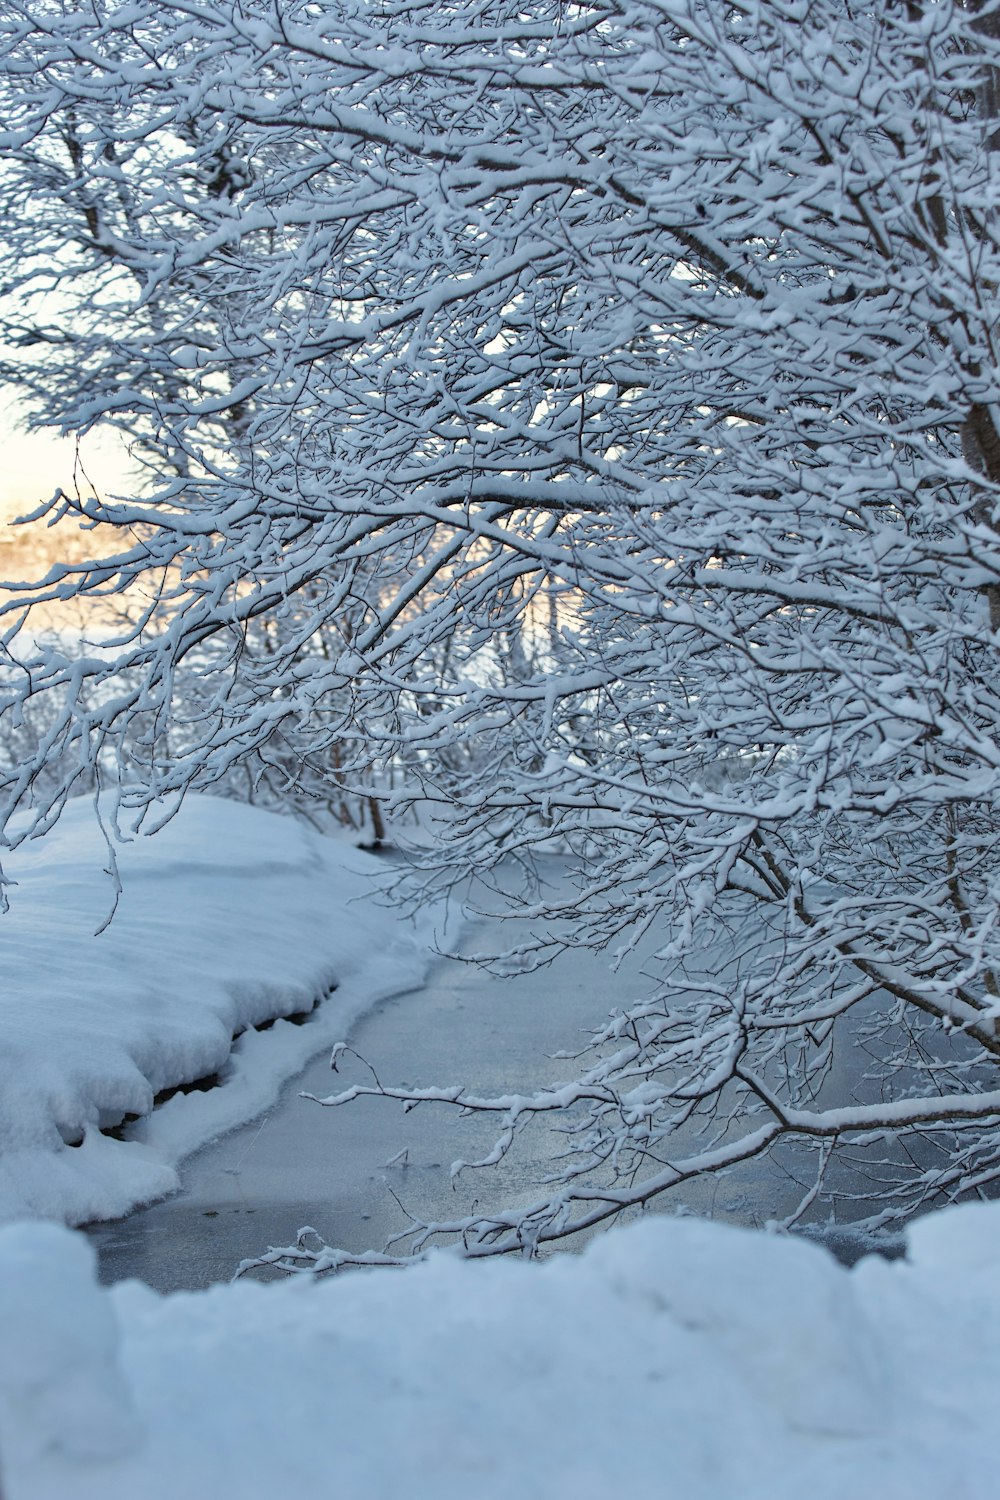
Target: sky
(34,465)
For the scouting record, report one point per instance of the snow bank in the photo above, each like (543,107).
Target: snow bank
(675,1358)
(229,917)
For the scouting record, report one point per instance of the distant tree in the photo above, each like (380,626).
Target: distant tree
(99,209)
(654,339)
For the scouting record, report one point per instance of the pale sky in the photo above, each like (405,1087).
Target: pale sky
(33,466)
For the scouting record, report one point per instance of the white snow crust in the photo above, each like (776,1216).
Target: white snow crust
(674,1358)
(229,917)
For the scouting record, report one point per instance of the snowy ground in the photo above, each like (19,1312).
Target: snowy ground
(229,917)
(675,1358)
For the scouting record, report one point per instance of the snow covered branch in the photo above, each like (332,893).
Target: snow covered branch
(579,424)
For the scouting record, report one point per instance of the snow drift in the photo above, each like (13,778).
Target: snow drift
(229,917)
(674,1358)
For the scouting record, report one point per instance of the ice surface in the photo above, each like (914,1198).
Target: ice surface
(229,916)
(674,1358)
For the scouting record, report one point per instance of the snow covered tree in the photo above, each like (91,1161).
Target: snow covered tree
(652,338)
(98,208)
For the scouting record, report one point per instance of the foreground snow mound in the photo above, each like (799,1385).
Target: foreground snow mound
(675,1358)
(229,917)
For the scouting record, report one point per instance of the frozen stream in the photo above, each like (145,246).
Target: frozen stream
(343,1170)
(302,1164)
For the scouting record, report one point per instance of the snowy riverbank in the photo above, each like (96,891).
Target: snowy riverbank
(229,917)
(675,1358)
